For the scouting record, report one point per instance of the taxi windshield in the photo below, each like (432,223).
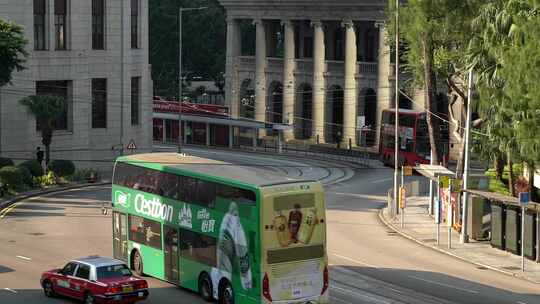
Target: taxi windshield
(113,271)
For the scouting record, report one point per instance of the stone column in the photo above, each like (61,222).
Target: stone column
(384,72)
(260,73)
(289,83)
(349,90)
(319,93)
(232,94)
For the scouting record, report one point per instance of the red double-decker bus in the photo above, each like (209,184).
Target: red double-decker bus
(414,146)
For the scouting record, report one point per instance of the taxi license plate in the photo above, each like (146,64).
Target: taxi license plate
(127,289)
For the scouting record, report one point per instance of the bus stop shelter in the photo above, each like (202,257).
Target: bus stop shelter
(433,172)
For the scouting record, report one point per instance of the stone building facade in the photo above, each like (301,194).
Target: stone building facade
(75,50)
(323,66)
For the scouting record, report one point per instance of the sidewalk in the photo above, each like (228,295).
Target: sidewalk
(6,202)
(420,227)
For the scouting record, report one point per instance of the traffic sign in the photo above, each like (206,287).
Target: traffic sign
(402,201)
(524,198)
(131,145)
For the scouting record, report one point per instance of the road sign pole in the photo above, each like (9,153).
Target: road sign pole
(523,238)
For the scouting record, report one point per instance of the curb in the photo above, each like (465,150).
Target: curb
(20,197)
(411,238)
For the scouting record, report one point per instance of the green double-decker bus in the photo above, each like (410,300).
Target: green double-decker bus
(232,233)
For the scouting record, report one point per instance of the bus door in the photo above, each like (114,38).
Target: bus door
(120,236)
(170,254)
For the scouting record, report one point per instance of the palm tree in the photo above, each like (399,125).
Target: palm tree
(46,109)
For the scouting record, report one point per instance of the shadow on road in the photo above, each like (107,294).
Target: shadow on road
(165,295)
(397,284)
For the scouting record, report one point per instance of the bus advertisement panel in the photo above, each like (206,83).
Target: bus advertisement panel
(203,233)
(294,236)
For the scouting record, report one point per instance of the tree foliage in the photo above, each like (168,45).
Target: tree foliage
(12,52)
(204,43)
(46,109)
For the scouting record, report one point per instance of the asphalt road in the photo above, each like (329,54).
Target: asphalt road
(368,264)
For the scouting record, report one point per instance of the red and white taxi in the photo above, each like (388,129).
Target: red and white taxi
(95,279)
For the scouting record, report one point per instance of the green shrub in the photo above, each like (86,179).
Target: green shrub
(82,175)
(12,177)
(62,167)
(4,161)
(33,166)
(45,180)
(26,175)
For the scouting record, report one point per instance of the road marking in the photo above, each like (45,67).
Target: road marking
(519,302)
(381,180)
(10,290)
(24,258)
(444,285)
(7,210)
(371,299)
(355,261)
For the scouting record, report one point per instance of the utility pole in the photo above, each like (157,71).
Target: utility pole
(180,80)
(396,123)
(122,77)
(180,10)
(464,238)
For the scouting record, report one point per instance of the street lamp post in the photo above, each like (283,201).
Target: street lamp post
(180,80)
(396,120)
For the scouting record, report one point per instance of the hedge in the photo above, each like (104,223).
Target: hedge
(4,161)
(62,167)
(28,179)
(33,166)
(12,176)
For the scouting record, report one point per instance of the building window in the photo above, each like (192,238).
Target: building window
(98,24)
(55,88)
(135,100)
(134,24)
(39,24)
(60,24)
(99,103)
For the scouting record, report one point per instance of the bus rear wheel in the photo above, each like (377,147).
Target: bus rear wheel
(226,293)
(205,287)
(138,263)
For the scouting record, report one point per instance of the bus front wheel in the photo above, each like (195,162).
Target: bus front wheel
(205,287)
(226,293)
(137,263)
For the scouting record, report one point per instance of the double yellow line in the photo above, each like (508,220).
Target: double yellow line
(7,210)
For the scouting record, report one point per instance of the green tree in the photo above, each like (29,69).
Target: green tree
(204,43)
(435,34)
(46,110)
(12,52)
(495,32)
(521,85)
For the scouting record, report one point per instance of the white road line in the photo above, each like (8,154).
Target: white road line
(381,180)
(24,258)
(371,299)
(354,261)
(10,290)
(519,302)
(443,284)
